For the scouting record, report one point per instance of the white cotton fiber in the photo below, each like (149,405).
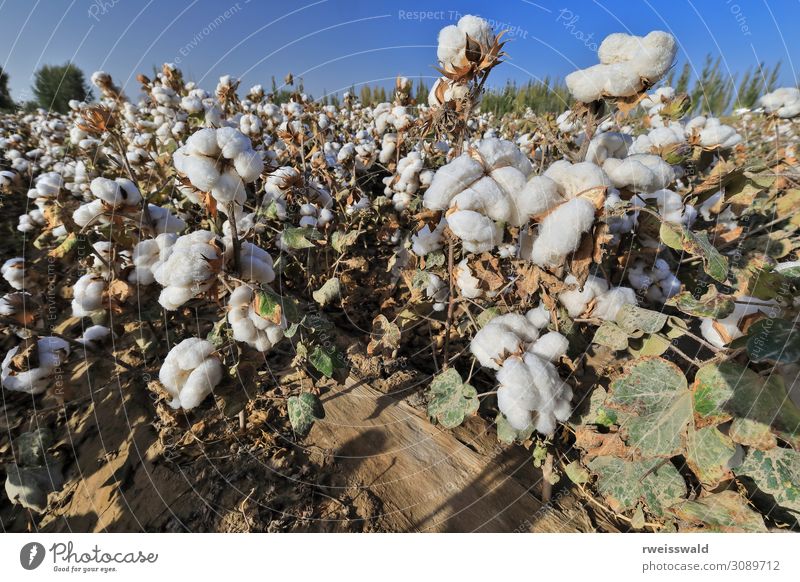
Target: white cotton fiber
(560,232)
(577,300)
(502,336)
(449,180)
(609,303)
(573,179)
(550,346)
(189,372)
(783,102)
(51,352)
(608,145)
(626,63)
(247,325)
(478,232)
(639,172)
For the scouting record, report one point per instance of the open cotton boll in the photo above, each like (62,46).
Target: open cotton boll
(189,269)
(783,102)
(249,327)
(51,352)
(163,221)
(485,197)
(608,145)
(88,295)
(478,232)
(639,172)
(721,332)
(531,392)
(658,283)
(572,179)
(550,346)
(452,41)
(654,101)
(468,285)
(437,291)
(190,372)
(14,272)
(627,63)
(147,255)
(609,303)
(671,207)
(560,232)
(711,133)
(116,193)
(502,336)
(577,300)
(256,264)
(449,180)
(539,317)
(94,336)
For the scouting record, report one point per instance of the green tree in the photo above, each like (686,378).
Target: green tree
(55,85)
(6,102)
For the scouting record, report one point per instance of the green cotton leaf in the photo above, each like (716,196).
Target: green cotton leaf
(303,411)
(708,452)
(328,293)
(632,319)
(297,237)
(727,390)
(420,279)
(624,483)
(653,345)
(725,512)
(322,360)
(596,412)
(711,304)
(696,243)
(508,434)
(656,395)
(775,472)
(341,240)
(759,279)
(450,400)
(434,259)
(610,335)
(576,473)
(274,308)
(773,340)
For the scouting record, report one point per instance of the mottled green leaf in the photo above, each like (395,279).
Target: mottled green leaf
(726,511)
(576,472)
(774,340)
(751,433)
(707,454)
(297,237)
(776,472)
(322,360)
(610,335)
(303,411)
(696,243)
(655,393)
(727,390)
(623,483)
(711,304)
(450,400)
(631,319)
(340,240)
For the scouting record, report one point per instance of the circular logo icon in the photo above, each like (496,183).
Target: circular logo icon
(31,555)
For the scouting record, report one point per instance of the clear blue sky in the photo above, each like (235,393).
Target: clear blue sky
(333,44)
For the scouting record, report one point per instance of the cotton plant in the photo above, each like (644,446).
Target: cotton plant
(595,298)
(710,133)
(657,282)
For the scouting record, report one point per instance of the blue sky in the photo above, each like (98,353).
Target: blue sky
(334,44)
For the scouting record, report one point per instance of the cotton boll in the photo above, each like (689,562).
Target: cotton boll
(626,62)
(639,173)
(783,102)
(539,317)
(88,295)
(485,197)
(577,300)
(500,337)
(190,372)
(551,346)
(51,352)
(94,336)
(229,188)
(501,153)
(247,325)
(573,179)
(437,291)
(478,232)
(163,221)
(609,303)
(449,180)
(256,264)
(539,195)
(249,165)
(203,143)
(452,43)
(468,285)
(608,145)
(560,232)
